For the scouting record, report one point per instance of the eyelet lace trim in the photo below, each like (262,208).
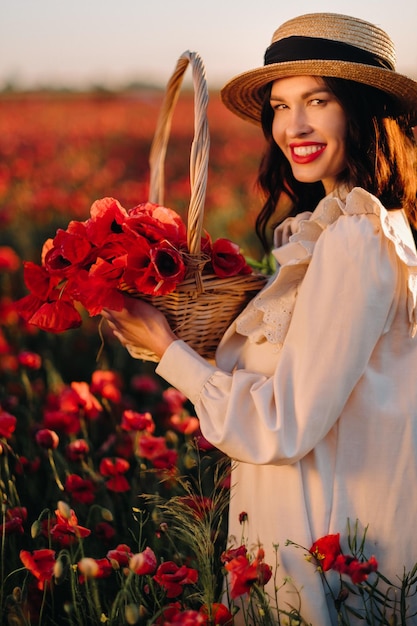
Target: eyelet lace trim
(268,315)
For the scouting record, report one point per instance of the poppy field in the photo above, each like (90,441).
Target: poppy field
(114,506)
(92,444)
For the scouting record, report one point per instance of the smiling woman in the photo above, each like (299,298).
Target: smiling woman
(312,392)
(310,128)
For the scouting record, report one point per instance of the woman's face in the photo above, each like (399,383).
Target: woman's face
(309,126)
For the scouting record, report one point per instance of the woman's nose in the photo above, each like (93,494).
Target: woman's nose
(298,124)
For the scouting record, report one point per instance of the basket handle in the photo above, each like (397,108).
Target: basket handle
(199,148)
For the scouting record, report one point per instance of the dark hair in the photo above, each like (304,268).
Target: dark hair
(381,158)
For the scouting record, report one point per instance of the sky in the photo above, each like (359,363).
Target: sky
(79,43)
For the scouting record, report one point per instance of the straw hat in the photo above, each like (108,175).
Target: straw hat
(323,44)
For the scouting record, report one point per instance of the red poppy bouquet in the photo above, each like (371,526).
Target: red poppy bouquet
(143,250)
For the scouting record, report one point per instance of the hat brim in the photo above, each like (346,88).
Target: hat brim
(244,94)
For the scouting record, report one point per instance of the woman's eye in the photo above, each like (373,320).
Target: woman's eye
(317,101)
(278,106)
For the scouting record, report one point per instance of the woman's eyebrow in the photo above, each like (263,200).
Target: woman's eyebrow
(304,96)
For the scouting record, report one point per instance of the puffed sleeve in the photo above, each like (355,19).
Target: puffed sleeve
(343,307)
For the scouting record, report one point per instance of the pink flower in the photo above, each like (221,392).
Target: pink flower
(143,562)
(7,424)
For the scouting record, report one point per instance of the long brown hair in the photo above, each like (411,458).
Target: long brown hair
(381,158)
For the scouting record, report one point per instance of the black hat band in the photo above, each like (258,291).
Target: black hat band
(307,48)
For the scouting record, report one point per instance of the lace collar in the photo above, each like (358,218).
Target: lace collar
(268,315)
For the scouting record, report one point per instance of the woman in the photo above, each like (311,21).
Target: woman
(313,390)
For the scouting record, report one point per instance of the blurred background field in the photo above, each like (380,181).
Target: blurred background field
(60,152)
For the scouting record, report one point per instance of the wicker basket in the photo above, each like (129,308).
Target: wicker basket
(203,305)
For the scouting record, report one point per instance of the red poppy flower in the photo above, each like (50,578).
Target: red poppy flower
(86,400)
(115,468)
(168,613)
(96,292)
(155,223)
(65,529)
(7,424)
(325,550)
(232,553)
(47,439)
(169,265)
(173,578)
(185,424)
(244,574)
(121,554)
(132,420)
(9,260)
(40,563)
(166,460)
(189,617)
(150,447)
(227,260)
(31,360)
(107,384)
(56,316)
(143,562)
(13,526)
(106,217)
(68,251)
(77,450)
(154,270)
(80,489)
(221,616)
(357,570)
(38,280)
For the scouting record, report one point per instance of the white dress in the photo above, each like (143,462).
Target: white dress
(314,394)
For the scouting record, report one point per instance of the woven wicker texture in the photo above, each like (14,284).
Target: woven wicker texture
(202,306)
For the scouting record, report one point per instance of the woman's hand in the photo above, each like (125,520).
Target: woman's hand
(288,227)
(140,325)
